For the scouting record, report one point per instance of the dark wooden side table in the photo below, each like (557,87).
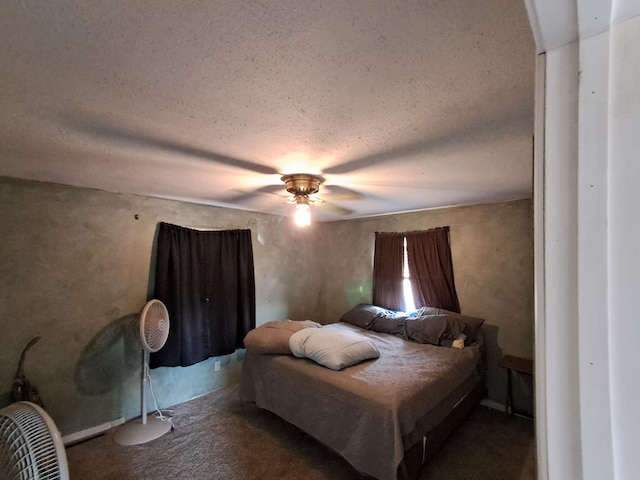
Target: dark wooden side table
(514,365)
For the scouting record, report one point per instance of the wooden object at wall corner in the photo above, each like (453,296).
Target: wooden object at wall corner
(514,365)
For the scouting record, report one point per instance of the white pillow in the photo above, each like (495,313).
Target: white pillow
(332,348)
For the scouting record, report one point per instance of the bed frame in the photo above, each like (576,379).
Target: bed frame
(419,455)
(389,432)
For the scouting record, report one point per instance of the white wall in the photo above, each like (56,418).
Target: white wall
(589,382)
(624,242)
(560,266)
(593,286)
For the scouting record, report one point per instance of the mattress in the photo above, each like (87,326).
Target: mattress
(372,412)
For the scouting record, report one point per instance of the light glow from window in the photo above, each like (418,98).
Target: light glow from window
(409,305)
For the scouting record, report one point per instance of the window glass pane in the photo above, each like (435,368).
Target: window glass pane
(408,295)
(406,282)
(405,260)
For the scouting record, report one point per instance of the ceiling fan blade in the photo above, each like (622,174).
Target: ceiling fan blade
(421,185)
(333,208)
(336,192)
(128,138)
(478,129)
(266,190)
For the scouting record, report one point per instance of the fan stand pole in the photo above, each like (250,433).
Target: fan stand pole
(143,430)
(143,385)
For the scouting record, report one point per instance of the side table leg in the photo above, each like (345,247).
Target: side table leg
(508,404)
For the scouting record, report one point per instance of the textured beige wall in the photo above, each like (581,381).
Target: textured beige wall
(75,266)
(492,249)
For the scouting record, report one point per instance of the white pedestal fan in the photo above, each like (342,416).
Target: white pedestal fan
(153,332)
(31,447)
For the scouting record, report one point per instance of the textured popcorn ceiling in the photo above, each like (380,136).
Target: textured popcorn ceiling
(400,105)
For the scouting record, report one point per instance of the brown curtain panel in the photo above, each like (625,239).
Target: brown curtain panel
(387,271)
(431,269)
(206,280)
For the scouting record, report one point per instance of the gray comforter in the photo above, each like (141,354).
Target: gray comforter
(369,413)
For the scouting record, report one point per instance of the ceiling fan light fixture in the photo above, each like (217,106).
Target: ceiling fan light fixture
(301,185)
(302,216)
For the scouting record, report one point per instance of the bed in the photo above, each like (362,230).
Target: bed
(385,414)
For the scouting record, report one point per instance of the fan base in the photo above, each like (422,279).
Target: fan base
(136,432)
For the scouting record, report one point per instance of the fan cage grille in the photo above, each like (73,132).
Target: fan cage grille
(27,448)
(154,325)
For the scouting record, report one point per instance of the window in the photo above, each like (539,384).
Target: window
(206,280)
(414,269)
(409,304)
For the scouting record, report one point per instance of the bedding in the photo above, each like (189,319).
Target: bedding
(471,324)
(363,315)
(333,348)
(426,325)
(439,330)
(374,412)
(273,337)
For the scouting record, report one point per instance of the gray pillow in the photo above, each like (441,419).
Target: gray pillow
(363,315)
(471,324)
(434,329)
(390,323)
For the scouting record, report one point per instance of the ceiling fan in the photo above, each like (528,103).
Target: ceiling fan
(304,187)
(302,190)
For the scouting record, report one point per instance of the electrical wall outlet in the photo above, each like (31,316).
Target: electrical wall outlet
(216,366)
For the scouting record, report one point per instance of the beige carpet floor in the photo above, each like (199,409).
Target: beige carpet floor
(217,436)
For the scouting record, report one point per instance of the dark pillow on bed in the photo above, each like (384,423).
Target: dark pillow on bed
(363,315)
(472,324)
(434,329)
(422,311)
(391,323)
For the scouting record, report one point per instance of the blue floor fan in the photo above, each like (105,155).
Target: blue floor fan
(153,331)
